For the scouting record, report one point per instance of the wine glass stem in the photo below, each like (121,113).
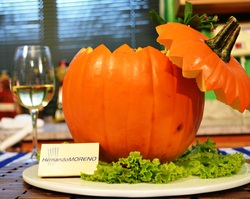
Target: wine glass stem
(34,116)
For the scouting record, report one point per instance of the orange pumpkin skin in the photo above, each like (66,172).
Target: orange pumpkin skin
(131,101)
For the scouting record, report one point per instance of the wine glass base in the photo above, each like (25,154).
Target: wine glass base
(33,158)
(31,161)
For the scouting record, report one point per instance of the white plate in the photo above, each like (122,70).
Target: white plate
(185,186)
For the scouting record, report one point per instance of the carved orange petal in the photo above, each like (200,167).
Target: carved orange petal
(188,50)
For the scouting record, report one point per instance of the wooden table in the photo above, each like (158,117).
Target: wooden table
(13,186)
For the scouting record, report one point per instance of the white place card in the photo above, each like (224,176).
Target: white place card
(60,160)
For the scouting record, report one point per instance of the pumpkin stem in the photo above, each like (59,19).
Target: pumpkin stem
(222,44)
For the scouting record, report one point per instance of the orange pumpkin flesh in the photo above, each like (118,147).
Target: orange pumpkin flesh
(188,50)
(131,101)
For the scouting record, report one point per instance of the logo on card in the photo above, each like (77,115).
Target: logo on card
(53,154)
(54,157)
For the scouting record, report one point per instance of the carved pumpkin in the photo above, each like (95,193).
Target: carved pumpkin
(131,101)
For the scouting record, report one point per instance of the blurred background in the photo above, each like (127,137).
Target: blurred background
(68,25)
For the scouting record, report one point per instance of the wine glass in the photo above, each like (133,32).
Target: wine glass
(33,82)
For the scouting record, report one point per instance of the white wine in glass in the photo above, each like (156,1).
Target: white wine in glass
(33,82)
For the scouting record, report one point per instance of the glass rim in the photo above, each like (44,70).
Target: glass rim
(33,46)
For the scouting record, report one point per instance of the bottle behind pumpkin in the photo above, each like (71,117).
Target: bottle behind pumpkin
(8,105)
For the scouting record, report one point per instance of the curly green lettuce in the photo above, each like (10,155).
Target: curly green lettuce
(202,160)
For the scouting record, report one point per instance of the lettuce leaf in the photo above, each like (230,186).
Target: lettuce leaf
(205,161)
(202,160)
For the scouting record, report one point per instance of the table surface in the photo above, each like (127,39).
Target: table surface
(209,126)
(13,186)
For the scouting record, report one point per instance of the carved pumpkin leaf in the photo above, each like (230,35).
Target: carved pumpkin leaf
(187,49)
